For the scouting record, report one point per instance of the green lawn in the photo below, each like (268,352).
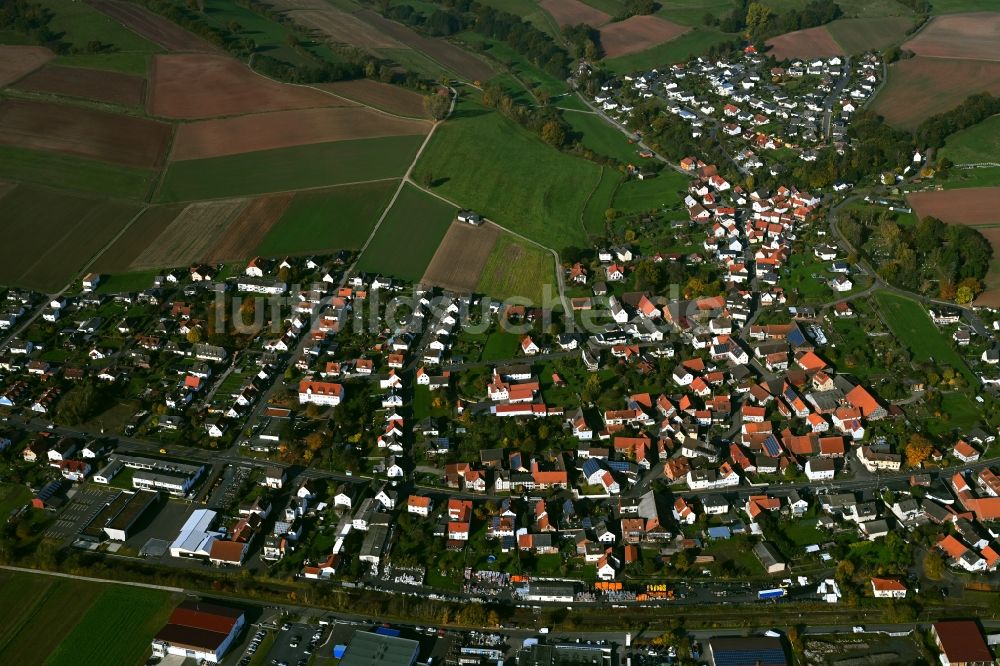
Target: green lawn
(117,629)
(283,169)
(501,345)
(599,200)
(692,43)
(597,135)
(911,324)
(516,268)
(122,282)
(486,162)
(325,220)
(75,173)
(409,235)
(979,143)
(639,196)
(12,497)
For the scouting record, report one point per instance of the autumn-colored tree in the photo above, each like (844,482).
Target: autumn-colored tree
(918,449)
(933,565)
(553,134)
(194,335)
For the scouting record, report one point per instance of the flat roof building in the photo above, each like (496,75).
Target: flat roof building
(116,520)
(370,649)
(746,652)
(196,536)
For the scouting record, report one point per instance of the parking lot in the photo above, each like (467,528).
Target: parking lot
(295,644)
(82,508)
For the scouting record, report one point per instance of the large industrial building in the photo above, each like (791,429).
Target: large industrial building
(368,648)
(200,631)
(196,536)
(119,517)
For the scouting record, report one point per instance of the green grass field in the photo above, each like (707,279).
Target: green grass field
(116,630)
(79,24)
(692,12)
(340,218)
(129,63)
(959,6)
(639,196)
(692,43)
(601,137)
(857,35)
(516,268)
(12,497)
(530,12)
(284,169)
(74,173)
(486,162)
(57,606)
(409,236)
(599,200)
(911,324)
(979,143)
(983,177)
(530,75)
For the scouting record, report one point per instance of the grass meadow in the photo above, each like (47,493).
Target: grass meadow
(516,268)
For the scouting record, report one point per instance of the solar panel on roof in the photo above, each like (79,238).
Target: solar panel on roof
(771,446)
(749,657)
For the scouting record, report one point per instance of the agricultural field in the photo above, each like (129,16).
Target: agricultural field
(384,96)
(692,12)
(637,34)
(478,158)
(692,43)
(600,137)
(100,86)
(284,129)
(17,61)
(858,35)
(340,218)
(517,268)
(190,237)
(970,206)
(75,173)
(977,144)
(574,12)
(245,232)
(523,73)
(409,235)
(287,169)
(961,36)
(459,260)
(599,200)
(904,101)
(957,6)
(978,177)
(152,27)
(666,191)
(141,234)
(810,43)
(530,11)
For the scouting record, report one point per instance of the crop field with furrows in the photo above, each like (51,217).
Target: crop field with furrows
(458,263)
(191,235)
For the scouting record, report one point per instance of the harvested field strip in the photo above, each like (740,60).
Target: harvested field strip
(340,218)
(64,604)
(152,26)
(141,235)
(247,230)
(970,206)
(283,129)
(340,26)
(868,34)
(574,12)
(636,34)
(119,139)
(517,268)
(16,61)
(75,173)
(191,86)
(285,169)
(809,43)
(102,86)
(380,95)
(191,235)
(963,36)
(459,260)
(445,53)
(409,236)
(904,101)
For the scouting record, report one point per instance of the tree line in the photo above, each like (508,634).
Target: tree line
(975,109)
(759,22)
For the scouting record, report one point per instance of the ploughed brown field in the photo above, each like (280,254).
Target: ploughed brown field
(809,43)
(574,12)
(281,129)
(99,85)
(16,61)
(461,256)
(246,232)
(191,235)
(153,27)
(110,137)
(966,36)
(192,86)
(380,95)
(447,54)
(637,33)
(970,206)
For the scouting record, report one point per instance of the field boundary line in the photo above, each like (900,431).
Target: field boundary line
(92,579)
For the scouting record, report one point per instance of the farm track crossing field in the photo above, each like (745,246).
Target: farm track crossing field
(809,43)
(409,236)
(75,173)
(459,260)
(31,218)
(380,95)
(191,86)
(858,35)
(285,169)
(16,61)
(975,145)
(339,218)
(134,142)
(638,33)
(516,268)
(137,238)
(153,27)
(192,234)
(574,12)
(970,206)
(904,100)
(245,233)
(98,85)
(283,129)
(445,53)
(962,36)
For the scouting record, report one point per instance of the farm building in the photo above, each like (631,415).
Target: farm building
(200,631)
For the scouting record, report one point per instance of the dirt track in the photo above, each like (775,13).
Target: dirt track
(99,85)
(152,26)
(281,129)
(459,260)
(638,33)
